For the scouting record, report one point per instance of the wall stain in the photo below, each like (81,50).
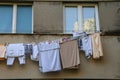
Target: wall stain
(118,39)
(111,33)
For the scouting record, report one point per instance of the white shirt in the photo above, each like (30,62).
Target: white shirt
(87,45)
(49,58)
(35,54)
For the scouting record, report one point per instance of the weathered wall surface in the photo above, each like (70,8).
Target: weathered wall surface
(109,13)
(48,17)
(106,67)
(63,0)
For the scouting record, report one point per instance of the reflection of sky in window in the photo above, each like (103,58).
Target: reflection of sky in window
(89,19)
(71,16)
(24,19)
(88,12)
(6,18)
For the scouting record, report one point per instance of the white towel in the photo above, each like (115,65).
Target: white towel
(35,54)
(49,58)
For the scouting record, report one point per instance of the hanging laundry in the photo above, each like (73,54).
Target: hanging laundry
(35,54)
(97,46)
(87,46)
(79,36)
(49,58)
(13,51)
(2,51)
(70,54)
(28,49)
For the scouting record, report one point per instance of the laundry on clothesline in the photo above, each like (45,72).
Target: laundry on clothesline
(87,46)
(49,57)
(35,54)
(13,51)
(70,54)
(28,49)
(90,44)
(57,54)
(2,51)
(97,46)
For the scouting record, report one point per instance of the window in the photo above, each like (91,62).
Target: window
(81,18)
(16,18)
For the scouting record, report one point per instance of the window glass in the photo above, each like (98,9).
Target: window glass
(71,17)
(24,19)
(6,13)
(89,19)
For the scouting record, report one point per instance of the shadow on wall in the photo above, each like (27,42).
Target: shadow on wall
(111,33)
(115,32)
(118,18)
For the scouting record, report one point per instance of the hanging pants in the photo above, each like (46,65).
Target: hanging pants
(13,51)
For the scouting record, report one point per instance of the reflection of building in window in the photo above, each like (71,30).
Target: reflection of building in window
(89,25)
(84,18)
(76,27)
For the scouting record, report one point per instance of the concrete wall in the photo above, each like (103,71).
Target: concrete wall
(109,13)
(62,0)
(106,67)
(48,18)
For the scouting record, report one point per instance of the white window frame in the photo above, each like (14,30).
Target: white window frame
(14,18)
(80,19)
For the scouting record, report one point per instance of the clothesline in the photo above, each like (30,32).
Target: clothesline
(90,43)
(51,54)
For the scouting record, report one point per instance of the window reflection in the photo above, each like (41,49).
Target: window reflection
(70,18)
(89,19)
(6,12)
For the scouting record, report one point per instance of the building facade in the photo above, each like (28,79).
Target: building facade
(29,21)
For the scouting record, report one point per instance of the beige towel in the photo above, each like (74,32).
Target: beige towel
(97,46)
(2,52)
(70,54)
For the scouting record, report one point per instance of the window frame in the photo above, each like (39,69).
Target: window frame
(14,18)
(80,18)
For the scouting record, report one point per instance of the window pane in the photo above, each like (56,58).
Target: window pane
(89,19)
(71,16)
(6,18)
(24,19)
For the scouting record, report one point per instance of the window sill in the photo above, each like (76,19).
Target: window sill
(111,33)
(62,34)
(35,33)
